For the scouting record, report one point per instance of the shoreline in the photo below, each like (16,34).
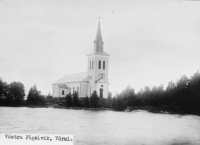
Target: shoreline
(129,109)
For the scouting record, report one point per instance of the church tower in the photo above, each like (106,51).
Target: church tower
(98,63)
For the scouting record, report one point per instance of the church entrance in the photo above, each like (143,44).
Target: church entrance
(101,93)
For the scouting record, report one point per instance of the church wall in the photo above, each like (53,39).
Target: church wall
(74,85)
(66,91)
(84,87)
(55,91)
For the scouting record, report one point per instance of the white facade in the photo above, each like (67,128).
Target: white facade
(96,77)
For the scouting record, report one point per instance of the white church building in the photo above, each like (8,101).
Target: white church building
(96,77)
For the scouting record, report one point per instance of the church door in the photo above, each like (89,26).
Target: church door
(101,93)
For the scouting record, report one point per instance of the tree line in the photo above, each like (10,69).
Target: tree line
(182,96)
(13,94)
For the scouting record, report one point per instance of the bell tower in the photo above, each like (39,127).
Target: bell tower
(98,63)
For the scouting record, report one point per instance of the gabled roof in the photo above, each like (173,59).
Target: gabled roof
(98,53)
(78,77)
(62,86)
(100,80)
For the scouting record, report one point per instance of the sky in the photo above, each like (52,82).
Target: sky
(150,42)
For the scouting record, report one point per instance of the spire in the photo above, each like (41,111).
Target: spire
(98,36)
(98,42)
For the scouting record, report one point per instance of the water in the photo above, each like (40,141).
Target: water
(104,127)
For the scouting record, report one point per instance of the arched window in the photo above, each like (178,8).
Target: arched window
(99,64)
(63,92)
(92,64)
(104,64)
(101,93)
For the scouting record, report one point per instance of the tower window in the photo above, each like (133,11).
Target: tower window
(104,64)
(99,64)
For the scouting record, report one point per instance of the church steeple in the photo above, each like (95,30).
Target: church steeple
(98,42)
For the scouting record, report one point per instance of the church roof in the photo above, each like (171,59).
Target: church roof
(62,86)
(98,53)
(78,77)
(98,35)
(100,80)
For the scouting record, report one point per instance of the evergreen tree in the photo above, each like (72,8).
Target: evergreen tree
(34,96)
(109,95)
(110,100)
(114,103)
(87,102)
(3,91)
(94,100)
(75,99)
(69,100)
(49,96)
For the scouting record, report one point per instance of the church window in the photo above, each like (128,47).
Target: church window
(63,92)
(101,85)
(99,64)
(73,90)
(104,64)
(101,93)
(90,77)
(92,64)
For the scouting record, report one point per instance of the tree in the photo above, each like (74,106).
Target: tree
(17,92)
(94,100)
(109,95)
(3,91)
(49,96)
(87,102)
(75,99)
(109,99)
(69,100)
(34,96)
(114,104)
